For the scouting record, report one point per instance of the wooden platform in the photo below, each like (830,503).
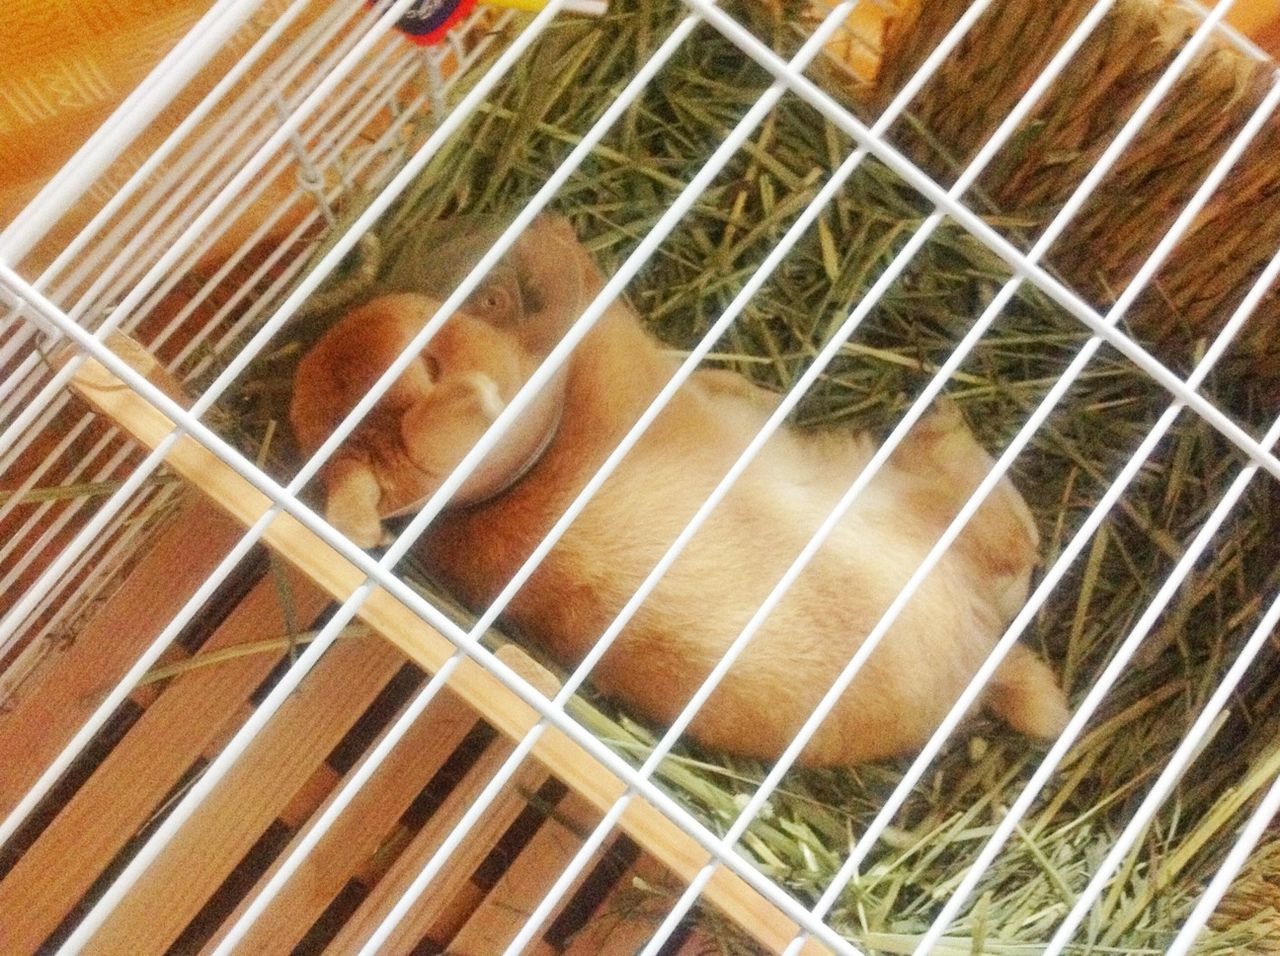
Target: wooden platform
(168,730)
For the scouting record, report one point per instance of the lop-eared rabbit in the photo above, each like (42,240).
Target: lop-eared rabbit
(446,399)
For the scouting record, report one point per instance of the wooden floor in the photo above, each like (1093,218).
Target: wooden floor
(160,739)
(1259,20)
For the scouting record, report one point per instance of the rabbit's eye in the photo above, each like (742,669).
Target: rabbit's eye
(487,301)
(495,304)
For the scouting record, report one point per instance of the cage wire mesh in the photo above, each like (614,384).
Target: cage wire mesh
(1065,220)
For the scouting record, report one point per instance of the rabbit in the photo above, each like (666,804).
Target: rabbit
(473,367)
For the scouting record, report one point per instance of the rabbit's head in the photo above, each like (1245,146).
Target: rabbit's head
(449,394)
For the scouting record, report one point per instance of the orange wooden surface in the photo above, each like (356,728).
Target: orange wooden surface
(358,833)
(65,65)
(131,783)
(213,842)
(624,922)
(66,693)
(497,920)
(462,862)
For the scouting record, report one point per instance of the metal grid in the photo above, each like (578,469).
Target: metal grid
(153,230)
(209,144)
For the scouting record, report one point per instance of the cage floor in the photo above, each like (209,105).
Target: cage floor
(157,744)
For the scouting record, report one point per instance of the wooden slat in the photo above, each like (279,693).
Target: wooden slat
(462,863)
(358,832)
(68,690)
(566,759)
(129,785)
(284,756)
(522,886)
(313,795)
(697,944)
(618,925)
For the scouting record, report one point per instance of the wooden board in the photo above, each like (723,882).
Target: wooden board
(494,923)
(462,862)
(130,785)
(67,691)
(357,834)
(618,924)
(225,827)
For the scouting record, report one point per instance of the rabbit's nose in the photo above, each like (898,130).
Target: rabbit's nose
(432,365)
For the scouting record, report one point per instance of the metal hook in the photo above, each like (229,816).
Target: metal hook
(435,82)
(310,178)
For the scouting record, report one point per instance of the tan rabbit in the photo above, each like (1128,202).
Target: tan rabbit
(474,365)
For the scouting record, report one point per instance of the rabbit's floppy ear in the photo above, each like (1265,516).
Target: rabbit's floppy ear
(543,284)
(438,255)
(557,276)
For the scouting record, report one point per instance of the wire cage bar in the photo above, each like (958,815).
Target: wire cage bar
(128,354)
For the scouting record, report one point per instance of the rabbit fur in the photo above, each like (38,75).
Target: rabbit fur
(473,366)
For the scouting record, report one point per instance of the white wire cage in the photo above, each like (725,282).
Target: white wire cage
(347,115)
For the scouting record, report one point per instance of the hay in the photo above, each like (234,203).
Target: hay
(521,133)
(1232,238)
